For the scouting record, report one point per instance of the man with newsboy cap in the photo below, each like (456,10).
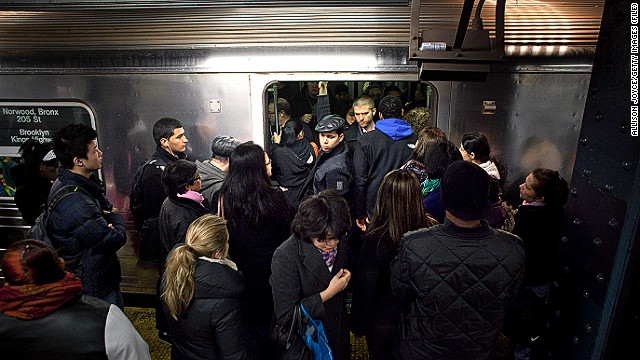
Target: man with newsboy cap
(333,166)
(456,278)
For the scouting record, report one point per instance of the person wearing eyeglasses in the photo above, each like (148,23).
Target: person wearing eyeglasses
(183,205)
(310,268)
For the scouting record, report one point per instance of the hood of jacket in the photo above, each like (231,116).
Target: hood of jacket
(216,281)
(396,129)
(209,174)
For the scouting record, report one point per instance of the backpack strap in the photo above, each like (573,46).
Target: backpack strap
(60,194)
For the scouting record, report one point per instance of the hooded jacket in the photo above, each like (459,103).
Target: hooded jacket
(386,148)
(212,178)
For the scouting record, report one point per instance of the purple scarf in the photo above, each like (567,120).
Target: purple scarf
(329,257)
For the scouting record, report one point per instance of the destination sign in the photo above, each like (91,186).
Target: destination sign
(39,121)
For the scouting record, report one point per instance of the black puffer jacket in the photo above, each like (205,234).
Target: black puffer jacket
(211,328)
(456,284)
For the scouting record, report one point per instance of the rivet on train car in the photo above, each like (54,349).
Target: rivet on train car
(597,242)
(575,340)
(577,221)
(574,192)
(600,278)
(587,172)
(584,140)
(609,187)
(585,293)
(613,223)
(587,328)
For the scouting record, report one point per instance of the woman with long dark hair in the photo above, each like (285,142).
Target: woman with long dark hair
(258,219)
(475,148)
(33,177)
(292,161)
(375,311)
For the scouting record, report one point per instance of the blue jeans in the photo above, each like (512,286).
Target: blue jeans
(115,297)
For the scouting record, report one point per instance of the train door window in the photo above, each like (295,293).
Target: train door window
(21,121)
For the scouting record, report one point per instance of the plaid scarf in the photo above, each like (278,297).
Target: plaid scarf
(33,301)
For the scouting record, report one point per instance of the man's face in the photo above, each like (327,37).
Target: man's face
(312,88)
(329,140)
(364,115)
(178,141)
(93,161)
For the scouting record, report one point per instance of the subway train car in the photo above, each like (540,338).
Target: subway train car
(546,80)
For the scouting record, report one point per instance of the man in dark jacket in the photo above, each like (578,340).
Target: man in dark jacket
(333,166)
(171,143)
(386,148)
(458,277)
(82,227)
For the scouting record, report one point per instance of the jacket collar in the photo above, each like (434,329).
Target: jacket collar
(312,260)
(166,156)
(467,233)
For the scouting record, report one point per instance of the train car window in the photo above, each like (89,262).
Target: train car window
(20,121)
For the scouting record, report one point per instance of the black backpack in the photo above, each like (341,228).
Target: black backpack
(136,198)
(147,229)
(39,230)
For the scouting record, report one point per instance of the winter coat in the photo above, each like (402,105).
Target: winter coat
(212,179)
(251,247)
(299,274)
(540,228)
(154,192)
(176,215)
(456,284)
(386,148)
(84,328)
(332,170)
(211,327)
(80,231)
(375,310)
(290,167)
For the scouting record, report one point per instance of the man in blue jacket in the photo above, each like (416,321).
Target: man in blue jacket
(84,230)
(379,151)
